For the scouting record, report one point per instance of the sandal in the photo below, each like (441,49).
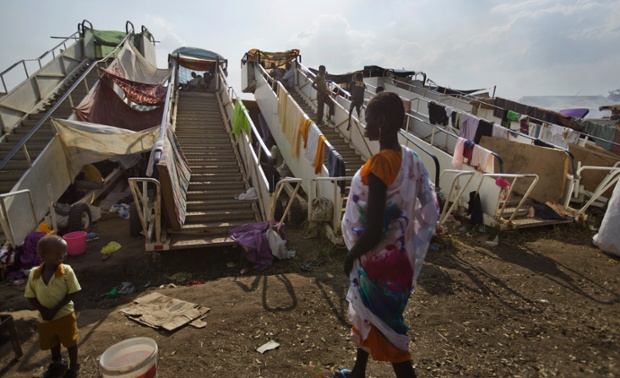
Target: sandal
(342,373)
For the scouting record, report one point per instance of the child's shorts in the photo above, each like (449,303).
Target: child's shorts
(63,330)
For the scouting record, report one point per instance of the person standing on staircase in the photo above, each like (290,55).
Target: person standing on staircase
(357,89)
(288,78)
(322,95)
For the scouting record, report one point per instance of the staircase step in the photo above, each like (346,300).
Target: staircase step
(215,227)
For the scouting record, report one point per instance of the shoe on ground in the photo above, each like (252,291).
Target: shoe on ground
(56,369)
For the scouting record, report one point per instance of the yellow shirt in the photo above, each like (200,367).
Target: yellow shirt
(62,283)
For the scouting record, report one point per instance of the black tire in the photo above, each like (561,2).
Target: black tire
(135,227)
(79,218)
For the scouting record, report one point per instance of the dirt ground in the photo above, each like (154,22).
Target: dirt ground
(541,303)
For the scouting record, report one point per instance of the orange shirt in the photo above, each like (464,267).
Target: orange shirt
(384,165)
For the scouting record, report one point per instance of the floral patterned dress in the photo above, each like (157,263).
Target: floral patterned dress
(382,279)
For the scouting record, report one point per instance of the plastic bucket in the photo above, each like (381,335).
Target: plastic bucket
(131,358)
(76,242)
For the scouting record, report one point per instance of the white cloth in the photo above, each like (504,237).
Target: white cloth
(249,195)
(86,143)
(483,160)
(608,237)
(312,143)
(500,131)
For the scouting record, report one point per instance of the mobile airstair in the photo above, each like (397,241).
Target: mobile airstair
(32,166)
(352,145)
(215,166)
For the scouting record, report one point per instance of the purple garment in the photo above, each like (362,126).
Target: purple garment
(575,113)
(29,256)
(252,237)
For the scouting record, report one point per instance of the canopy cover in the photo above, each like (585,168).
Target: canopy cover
(197,59)
(279,58)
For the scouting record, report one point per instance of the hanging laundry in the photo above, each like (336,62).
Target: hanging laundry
(106,108)
(240,121)
(457,156)
(483,160)
(437,114)
(301,132)
(524,125)
(475,208)
(139,93)
(485,128)
(468,125)
(312,143)
(468,150)
(500,132)
(512,116)
(320,153)
(335,166)
(604,134)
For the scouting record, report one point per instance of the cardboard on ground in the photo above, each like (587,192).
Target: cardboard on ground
(160,311)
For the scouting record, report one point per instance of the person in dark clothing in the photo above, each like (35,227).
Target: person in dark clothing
(357,89)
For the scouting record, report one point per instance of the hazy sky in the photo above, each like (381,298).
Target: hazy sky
(525,48)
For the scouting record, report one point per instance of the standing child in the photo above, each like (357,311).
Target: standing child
(50,289)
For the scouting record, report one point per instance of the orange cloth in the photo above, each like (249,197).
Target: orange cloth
(385,165)
(303,129)
(320,151)
(379,347)
(301,132)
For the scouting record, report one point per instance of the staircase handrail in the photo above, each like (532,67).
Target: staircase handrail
(166,118)
(39,59)
(258,137)
(57,104)
(435,128)
(610,179)
(410,139)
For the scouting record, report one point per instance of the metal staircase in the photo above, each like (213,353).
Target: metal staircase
(15,168)
(352,159)
(216,175)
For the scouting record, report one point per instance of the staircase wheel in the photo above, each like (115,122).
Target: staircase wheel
(79,217)
(135,227)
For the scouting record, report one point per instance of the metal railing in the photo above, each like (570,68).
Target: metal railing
(57,104)
(251,156)
(6,224)
(166,119)
(23,63)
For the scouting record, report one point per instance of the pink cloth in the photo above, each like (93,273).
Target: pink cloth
(457,157)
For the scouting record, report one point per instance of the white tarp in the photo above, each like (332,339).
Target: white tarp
(133,66)
(608,237)
(86,143)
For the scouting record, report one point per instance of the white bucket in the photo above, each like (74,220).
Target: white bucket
(131,358)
